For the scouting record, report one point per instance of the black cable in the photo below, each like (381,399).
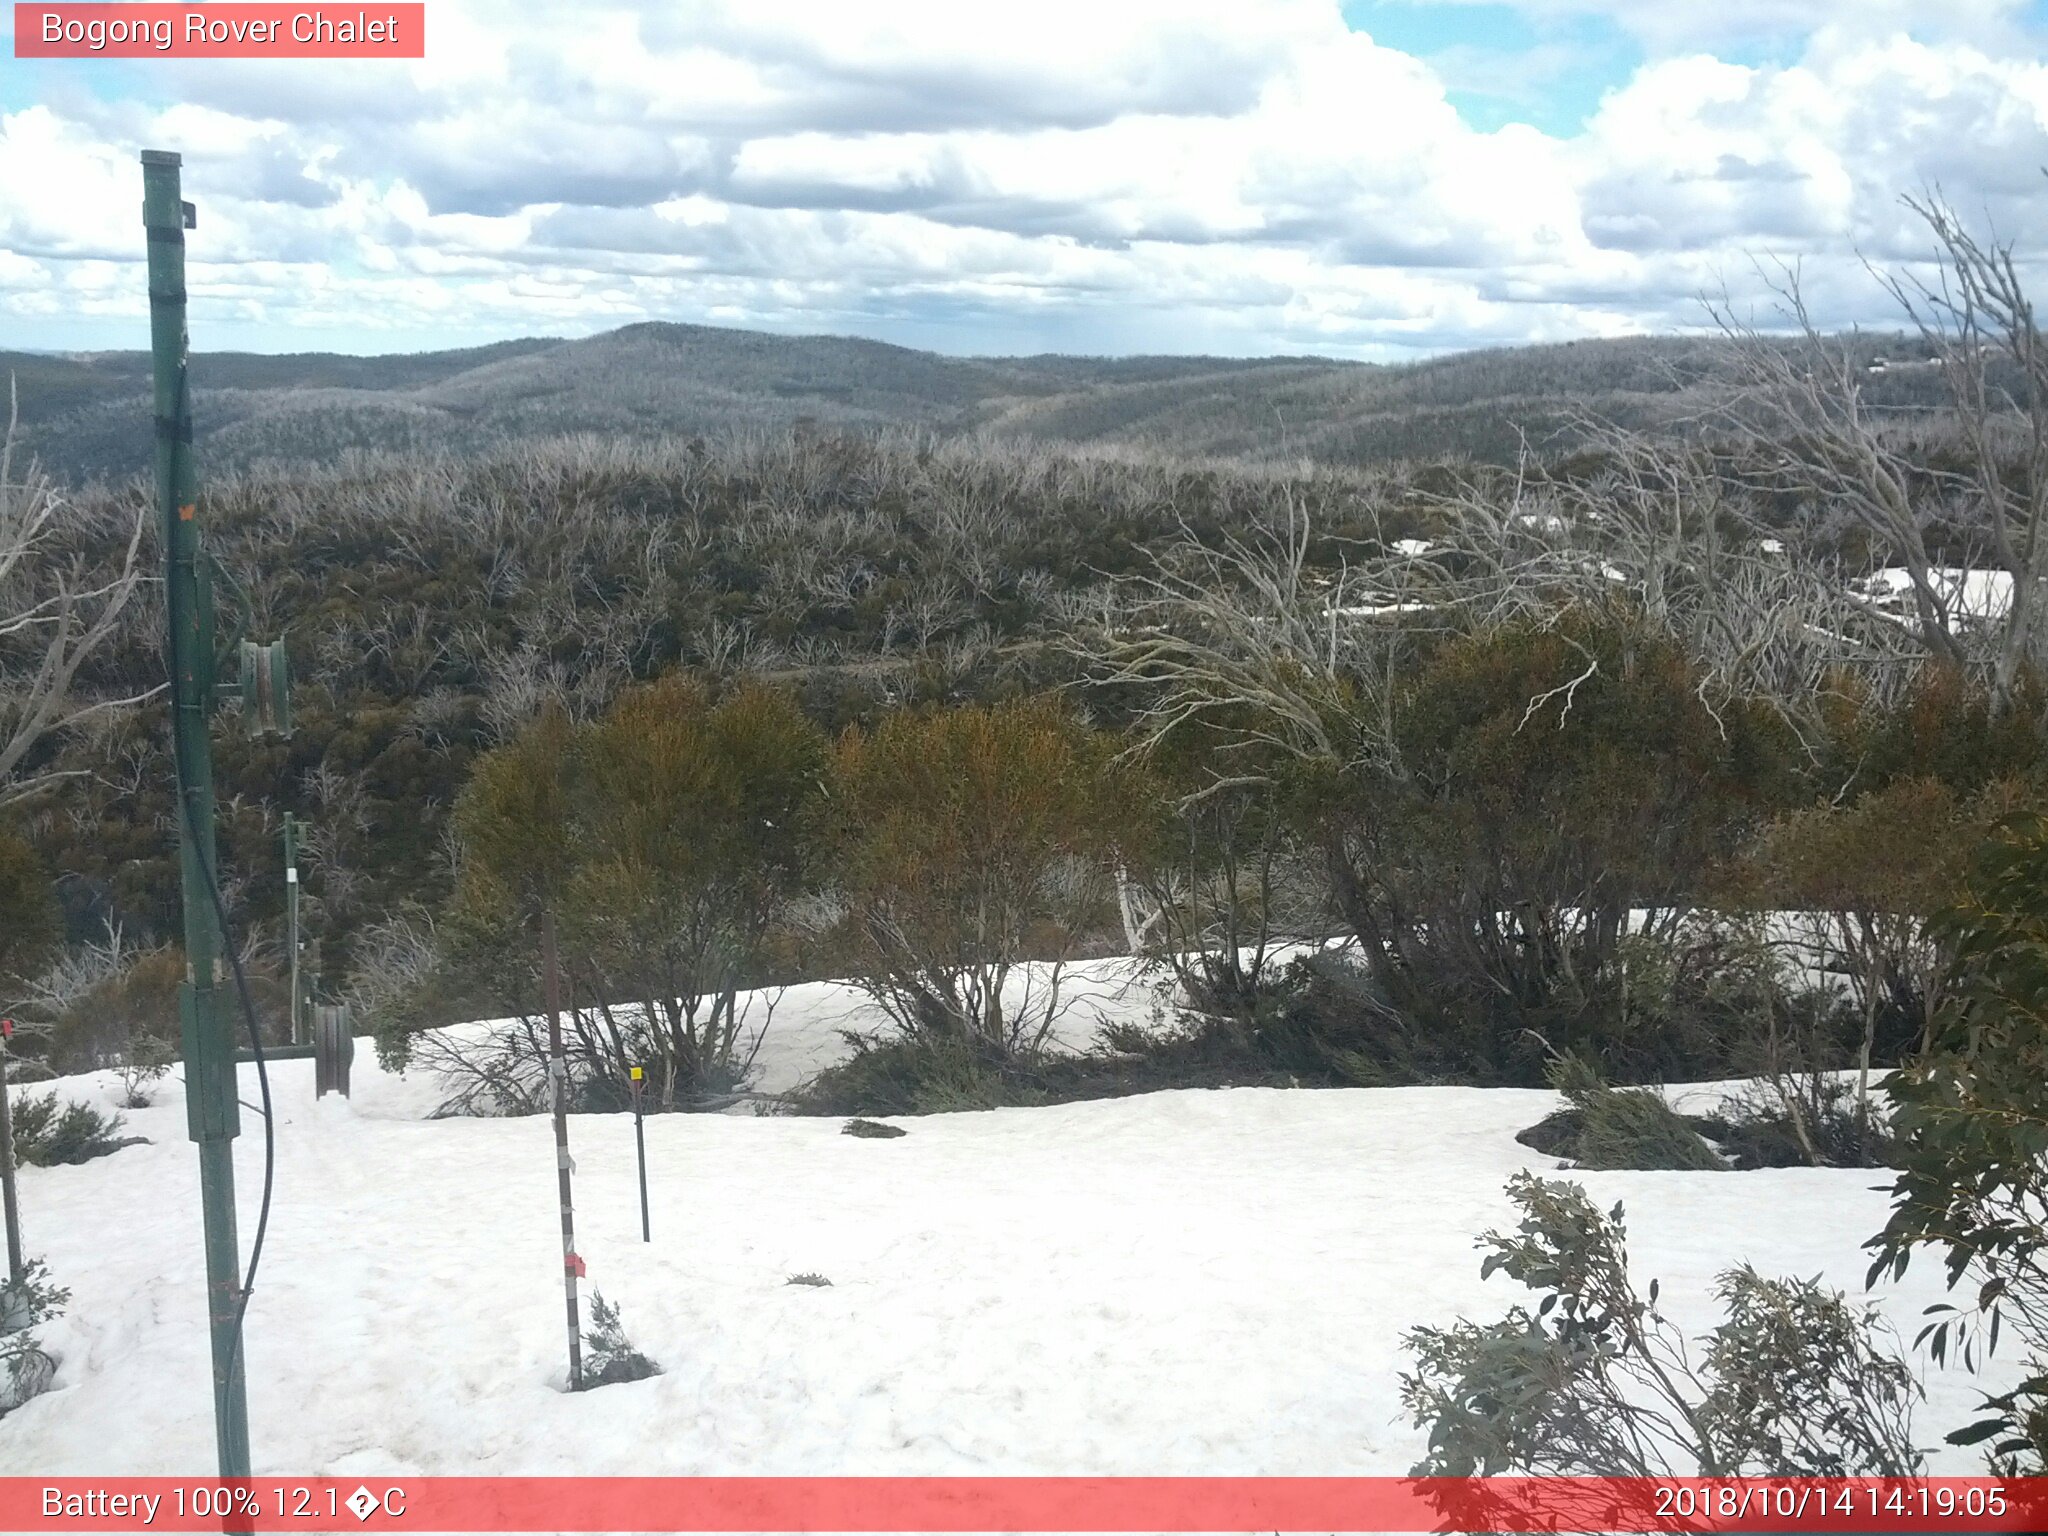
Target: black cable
(263,1081)
(220,912)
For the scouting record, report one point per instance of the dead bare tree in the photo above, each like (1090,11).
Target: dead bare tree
(56,610)
(1975,317)
(1799,413)
(1245,629)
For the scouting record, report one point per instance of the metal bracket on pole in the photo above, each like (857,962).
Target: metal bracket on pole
(266,689)
(334,1050)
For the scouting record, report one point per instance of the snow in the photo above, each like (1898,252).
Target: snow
(1178,1283)
(1972,594)
(1379,610)
(808,1027)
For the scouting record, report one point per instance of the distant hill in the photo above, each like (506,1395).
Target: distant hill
(86,416)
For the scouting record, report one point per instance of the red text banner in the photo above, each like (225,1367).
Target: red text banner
(1050,1504)
(220,31)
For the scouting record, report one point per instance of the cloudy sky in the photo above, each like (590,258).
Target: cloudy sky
(1379,179)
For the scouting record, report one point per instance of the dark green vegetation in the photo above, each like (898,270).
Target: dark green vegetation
(608,1355)
(995,664)
(1594,1381)
(1458,800)
(29,1301)
(1972,1119)
(86,415)
(665,839)
(1795,1381)
(46,1136)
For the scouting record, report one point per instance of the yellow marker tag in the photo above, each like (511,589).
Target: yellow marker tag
(636,1074)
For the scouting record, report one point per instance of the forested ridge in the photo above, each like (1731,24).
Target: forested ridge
(86,416)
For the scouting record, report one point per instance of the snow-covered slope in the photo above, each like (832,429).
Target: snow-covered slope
(1188,1282)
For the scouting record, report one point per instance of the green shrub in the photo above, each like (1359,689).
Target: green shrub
(916,1075)
(664,837)
(1971,1117)
(1807,1119)
(26,1303)
(1868,874)
(1625,1127)
(45,1136)
(1596,1382)
(28,911)
(968,843)
(608,1355)
(1544,781)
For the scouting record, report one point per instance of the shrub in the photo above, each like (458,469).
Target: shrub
(28,913)
(45,1136)
(1869,874)
(966,842)
(1546,784)
(147,1060)
(1797,1109)
(664,838)
(105,1005)
(1971,1117)
(904,1076)
(1624,1127)
(402,983)
(1808,1119)
(25,1304)
(918,1075)
(1596,1382)
(608,1355)
(1219,877)
(1950,728)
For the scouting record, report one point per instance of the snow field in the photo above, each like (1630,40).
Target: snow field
(1187,1282)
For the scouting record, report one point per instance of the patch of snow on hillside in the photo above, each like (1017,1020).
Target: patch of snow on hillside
(1971,595)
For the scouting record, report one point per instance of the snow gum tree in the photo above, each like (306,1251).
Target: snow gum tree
(58,606)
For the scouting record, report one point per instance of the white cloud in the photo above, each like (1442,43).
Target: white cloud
(1217,175)
(1695,154)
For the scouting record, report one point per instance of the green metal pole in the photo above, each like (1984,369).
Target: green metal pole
(213,1115)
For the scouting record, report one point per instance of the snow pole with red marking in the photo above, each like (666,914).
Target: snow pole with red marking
(558,1082)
